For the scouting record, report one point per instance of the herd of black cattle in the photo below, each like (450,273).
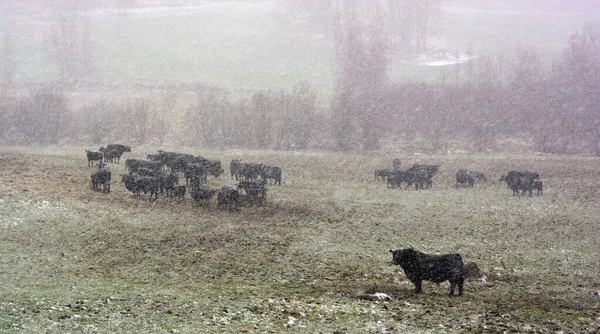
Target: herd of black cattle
(159,174)
(421,176)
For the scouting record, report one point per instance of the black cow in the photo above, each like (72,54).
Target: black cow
(271,174)
(176,162)
(395,179)
(195,174)
(509,178)
(478,175)
(419,266)
(212,167)
(254,191)
(464,178)
(93,156)
(113,152)
(200,194)
(251,171)
(521,181)
(382,174)
(134,165)
(228,197)
(101,178)
(138,184)
(422,175)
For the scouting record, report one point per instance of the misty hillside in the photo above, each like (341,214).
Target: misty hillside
(258,45)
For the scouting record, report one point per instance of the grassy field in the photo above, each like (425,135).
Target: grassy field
(259,45)
(74,260)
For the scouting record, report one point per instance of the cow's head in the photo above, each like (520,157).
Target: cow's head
(400,256)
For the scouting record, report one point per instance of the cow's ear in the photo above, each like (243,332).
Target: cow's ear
(391,251)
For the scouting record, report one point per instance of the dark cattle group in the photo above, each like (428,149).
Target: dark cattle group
(523,182)
(113,152)
(159,175)
(245,171)
(421,176)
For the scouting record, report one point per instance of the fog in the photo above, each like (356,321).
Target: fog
(405,76)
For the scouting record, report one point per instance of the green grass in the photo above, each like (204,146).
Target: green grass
(256,45)
(76,260)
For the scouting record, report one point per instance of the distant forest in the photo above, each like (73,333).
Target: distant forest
(489,105)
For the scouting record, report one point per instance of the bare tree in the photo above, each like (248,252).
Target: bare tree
(100,121)
(578,74)
(9,62)
(361,83)
(44,116)
(262,113)
(136,121)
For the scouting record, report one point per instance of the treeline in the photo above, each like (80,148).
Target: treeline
(204,116)
(478,106)
(481,105)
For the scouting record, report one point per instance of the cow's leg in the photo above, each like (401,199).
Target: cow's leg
(417,286)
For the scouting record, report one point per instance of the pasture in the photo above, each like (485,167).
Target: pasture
(75,260)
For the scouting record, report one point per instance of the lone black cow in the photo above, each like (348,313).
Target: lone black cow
(419,266)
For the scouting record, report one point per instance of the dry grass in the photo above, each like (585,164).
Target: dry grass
(76,260)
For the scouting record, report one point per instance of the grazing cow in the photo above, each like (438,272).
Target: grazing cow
(176,162)
(113,152)
(271,174)
(254,191)
(93,156)
(382,174)
(138,184)
(521,181)
(228,197)
(479,176)
(464,178)
(212,167)
(422,175)
(395,179)
(510,178)
(419,266)
(135,165)
(101,178)
(250,171)
(200,194)
(194,175)
(146,172)
(537,185)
